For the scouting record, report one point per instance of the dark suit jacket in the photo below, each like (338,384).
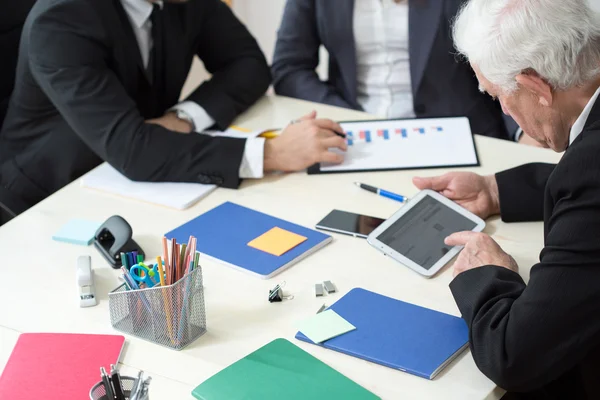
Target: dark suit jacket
(441,85)
(543,338)
(12,18)
(82,95)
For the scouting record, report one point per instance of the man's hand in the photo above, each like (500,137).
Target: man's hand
(303,144)
(480,250)
(172,123)
(476,193)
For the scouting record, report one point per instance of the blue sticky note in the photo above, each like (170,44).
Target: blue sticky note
(77,231)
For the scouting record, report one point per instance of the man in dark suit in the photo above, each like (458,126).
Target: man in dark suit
(99,80)
(392,58)
(539,340)
(11,22)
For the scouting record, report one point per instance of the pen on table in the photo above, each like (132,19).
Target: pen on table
(381,192)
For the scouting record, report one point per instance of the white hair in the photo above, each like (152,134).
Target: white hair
(558,39)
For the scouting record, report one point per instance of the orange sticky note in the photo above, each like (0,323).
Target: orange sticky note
(277,241)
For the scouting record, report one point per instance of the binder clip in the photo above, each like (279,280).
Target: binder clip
(276,294)
(113,238)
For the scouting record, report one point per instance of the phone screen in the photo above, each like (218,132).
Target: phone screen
(349,223)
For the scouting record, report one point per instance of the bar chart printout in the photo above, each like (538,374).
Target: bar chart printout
(406,144)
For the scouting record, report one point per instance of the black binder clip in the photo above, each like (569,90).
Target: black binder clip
(276,294)
(113,238)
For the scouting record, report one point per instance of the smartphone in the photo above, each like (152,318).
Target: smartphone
(349,223)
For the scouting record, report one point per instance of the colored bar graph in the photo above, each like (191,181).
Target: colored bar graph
(350,142)
(368,136)
(349,134)
(437,128)
(384,133)
(420,130)
(361,135)
(401,132)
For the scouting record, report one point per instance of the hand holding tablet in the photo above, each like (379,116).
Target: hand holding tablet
(414,236)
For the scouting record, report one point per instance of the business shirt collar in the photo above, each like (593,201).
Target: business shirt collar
(139,10)
(578,126)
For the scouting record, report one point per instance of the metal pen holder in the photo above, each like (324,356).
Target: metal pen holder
(171,316)
(98,392)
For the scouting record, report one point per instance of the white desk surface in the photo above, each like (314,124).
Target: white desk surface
(38,291)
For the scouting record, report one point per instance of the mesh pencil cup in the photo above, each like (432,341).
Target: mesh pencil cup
(172,316)
(98,392)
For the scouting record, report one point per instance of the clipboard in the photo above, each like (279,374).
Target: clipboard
(401,144)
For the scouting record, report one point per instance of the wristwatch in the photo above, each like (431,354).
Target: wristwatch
(186,117)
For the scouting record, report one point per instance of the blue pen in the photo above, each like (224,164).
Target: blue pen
(381,192)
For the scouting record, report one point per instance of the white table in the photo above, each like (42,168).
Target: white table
(38,293)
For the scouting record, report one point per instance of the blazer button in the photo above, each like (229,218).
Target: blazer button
(420,109)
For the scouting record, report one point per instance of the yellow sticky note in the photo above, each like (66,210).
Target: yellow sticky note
(277,241)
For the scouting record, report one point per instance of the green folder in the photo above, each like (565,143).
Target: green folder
(280,370)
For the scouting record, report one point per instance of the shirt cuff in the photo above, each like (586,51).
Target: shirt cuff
(201,119)
(253,160)
(518,134)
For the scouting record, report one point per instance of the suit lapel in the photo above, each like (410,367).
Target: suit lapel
(339,20)
(423,24)
(131,49)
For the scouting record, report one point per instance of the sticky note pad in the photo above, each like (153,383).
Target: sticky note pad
(324,326)
(277,241)
(77,231)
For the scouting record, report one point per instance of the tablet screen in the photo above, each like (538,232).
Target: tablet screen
(419,234)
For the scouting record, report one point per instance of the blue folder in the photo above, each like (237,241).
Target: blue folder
(396,334)
(224,232)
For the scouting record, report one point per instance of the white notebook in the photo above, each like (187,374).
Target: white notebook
(174,195)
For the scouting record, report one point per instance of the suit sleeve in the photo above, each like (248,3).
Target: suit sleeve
(522,336)
(240,74)
(522,192)
(297,57)
(68,60)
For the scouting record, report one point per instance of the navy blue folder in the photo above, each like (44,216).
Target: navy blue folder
(396,334)
(224,232)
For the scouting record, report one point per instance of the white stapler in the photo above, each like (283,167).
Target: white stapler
(85,282)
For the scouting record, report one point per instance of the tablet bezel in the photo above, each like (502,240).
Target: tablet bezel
(439,264)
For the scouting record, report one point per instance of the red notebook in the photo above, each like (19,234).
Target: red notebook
(57,366)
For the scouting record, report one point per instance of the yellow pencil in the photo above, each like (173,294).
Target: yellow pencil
(269,134)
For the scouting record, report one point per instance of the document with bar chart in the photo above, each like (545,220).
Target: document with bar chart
(405,144)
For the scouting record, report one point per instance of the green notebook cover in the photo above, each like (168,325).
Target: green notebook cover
(280,370)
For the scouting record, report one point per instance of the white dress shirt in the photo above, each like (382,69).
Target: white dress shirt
(579,124)
(139,12)
(382,58)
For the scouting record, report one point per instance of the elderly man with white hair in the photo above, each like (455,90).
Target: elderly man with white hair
(541,59)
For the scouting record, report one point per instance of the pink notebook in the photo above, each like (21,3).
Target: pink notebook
(57,366)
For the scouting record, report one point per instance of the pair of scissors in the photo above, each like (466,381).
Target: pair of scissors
(144,274)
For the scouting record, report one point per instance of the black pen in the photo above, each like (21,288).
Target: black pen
(116,381)
(107,384)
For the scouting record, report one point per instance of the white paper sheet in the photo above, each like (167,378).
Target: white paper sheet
(174,195)
(403,144)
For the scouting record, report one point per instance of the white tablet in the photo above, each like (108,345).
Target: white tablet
(414,236)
